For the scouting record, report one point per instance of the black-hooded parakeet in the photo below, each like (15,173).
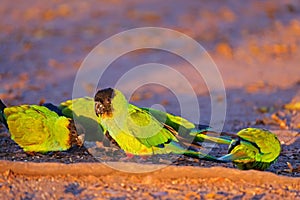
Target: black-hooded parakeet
(136,130)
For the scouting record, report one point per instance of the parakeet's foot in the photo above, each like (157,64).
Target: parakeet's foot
(31,153)
(128,157)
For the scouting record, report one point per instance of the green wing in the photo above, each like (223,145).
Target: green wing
(266,141)
(172,120)
(256,149)
(37,129)
(80,107)
(187,129)
(147,129)
(82,111)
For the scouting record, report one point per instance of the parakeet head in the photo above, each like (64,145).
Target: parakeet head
(103,102)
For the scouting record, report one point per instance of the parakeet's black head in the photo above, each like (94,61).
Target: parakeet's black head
(103,105)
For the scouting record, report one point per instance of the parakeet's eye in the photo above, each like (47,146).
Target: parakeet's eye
(98,108)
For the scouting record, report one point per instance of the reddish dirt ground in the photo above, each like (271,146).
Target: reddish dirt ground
(254,44)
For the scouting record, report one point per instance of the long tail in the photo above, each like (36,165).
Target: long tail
(233,156)
(194,153)
(202,156)
(224,159)
(2,116)
(200,136)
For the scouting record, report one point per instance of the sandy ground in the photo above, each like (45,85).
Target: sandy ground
(254,44)
(96,181)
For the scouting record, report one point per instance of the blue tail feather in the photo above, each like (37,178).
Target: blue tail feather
(53,108)
(233,156)
(2,116)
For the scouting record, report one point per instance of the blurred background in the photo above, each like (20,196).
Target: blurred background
(255,45)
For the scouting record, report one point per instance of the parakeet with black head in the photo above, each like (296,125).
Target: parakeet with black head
(135,130)
(37,129)
(82,111)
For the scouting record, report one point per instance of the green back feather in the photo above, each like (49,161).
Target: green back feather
(257,149)
(37,129)
(176,122)
(134,129)
(146,128)
(82,111)
(268,143)
(185,128)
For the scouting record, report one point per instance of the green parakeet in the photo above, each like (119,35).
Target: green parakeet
(83,112)
(82,109)
(38,129)
(146,131)
(253,149)
(135,130)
